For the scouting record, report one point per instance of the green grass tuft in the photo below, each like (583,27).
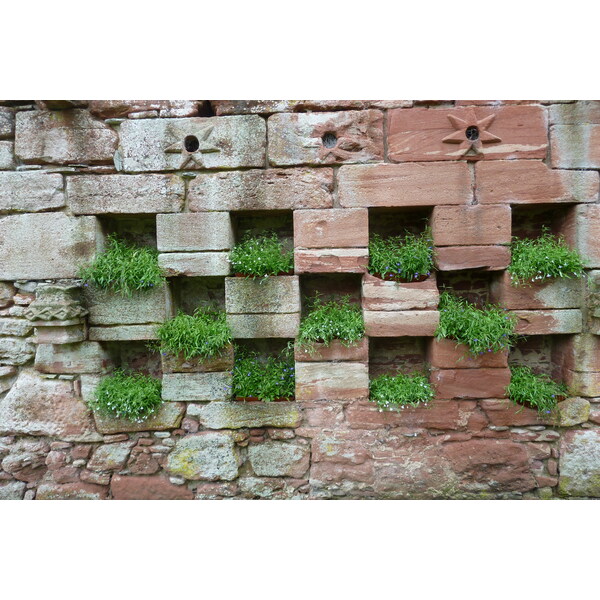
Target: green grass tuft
(543,258)
(260,256)
(535,391)
(204,334)
(266,379)
(332,320)
(488,329)
(130,396)
(124,268)
(401,257)
(393,391)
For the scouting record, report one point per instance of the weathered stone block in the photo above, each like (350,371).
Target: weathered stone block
(331,228)
(470,383)
(168,416)
(575,146)
(237,415)
(458,258)
(580,464)
(326,138)
(279,459)
(63,137)
(383,323)
(7,122)
(196,143)
(7,155)
(547,322)
(582,383)
(476,225)
(331,260)
(85,357)
(581,229)
(208,456)
(573,411)
(532,182)
(122,333)
(149,487)
(331,381)
(378,294)
(505,413)
(419,134)
(110,457)
(268,325)
(195,264)
(16,327)
(49,407)
(7,292)
(415,184)
(12,490)
(196,387)
(71,491)
(449,354)
(578,352)
(277,294)
(336,351)
(69,334)
(114,109)
(550,293)
(194,232)
(144,306)
(572,113)
(271,189)
(198,364)
(16,351)
(46,246)
(125,194)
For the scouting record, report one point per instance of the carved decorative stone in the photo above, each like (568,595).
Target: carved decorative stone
(471,133)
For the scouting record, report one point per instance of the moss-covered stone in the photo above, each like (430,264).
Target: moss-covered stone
(573,411)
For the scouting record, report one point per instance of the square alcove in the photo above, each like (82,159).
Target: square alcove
(256,222)
(393,355)
(137,356)
(190,293)
(394,222)
(471,285)
(135,229)
(529,220)
(329,286)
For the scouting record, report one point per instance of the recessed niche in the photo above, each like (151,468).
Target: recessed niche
(541,353)
(189,293)
(257,222)
(473,286)
(329,286)
(528,221)
(397,221)
(265,347)
(136,229)
(388,356)
(135,356)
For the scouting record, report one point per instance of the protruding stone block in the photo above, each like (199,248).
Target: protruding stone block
(63,137)
(190,144)
(575,146)
(383,323)
(198,364)
(276,294)
(195,264)
(237,415)
(168,416)
(449,354)
(336,351)
(194,232)
(414,184)
(271,189)
(378,294)
(125,194)
(331,381)
(331,260)
(122,333)
(582,383)
(331,228)
(470,383)
(548,322)
(505,413)
(196,387)
(267,325)
(46,246)
(476,225)
(458,258)
(325,138)
(85,357)
(581,229)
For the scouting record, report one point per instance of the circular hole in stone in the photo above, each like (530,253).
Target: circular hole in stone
(329,139)
(472,133)
(191,143)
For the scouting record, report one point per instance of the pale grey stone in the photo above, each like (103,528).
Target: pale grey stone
(280,325)
(279,459)
(194,232)
(16,351)
(63,137)
(236,415)
(206,456)
(580,464)
(125,194)
(195,264)
(223,142)
(278,294)
(16,327)
(122,333)
(7,156)
(13,490)
(196,387)
(30,191)
(7,122)
(46,246)
(110,457)
(572,146)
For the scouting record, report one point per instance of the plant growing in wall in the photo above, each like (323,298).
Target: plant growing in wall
(126,395)
(260,256)
(257,378)
(487,329)
(536,391)
(391,392)
(124,268)
(543,258)
(329,321)
(406,258)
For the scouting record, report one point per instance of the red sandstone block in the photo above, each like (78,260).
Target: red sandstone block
(578,352)
(331,381)
(505,413)
(336,351)
(378,294)
(470,383)
(457,258)
(575,146)
(493,102)
(418,134)
(548,322)
(448,354)
(581,229)
(152,487)
(380,323)
(331,228)
(532,182)
(331,260)
(550,293)
(414,184)
(471,225)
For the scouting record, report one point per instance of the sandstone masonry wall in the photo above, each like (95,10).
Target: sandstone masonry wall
(188,176)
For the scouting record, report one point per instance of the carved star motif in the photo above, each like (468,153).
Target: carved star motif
(195,157)
(471,133)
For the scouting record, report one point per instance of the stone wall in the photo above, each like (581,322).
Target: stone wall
(188,176)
